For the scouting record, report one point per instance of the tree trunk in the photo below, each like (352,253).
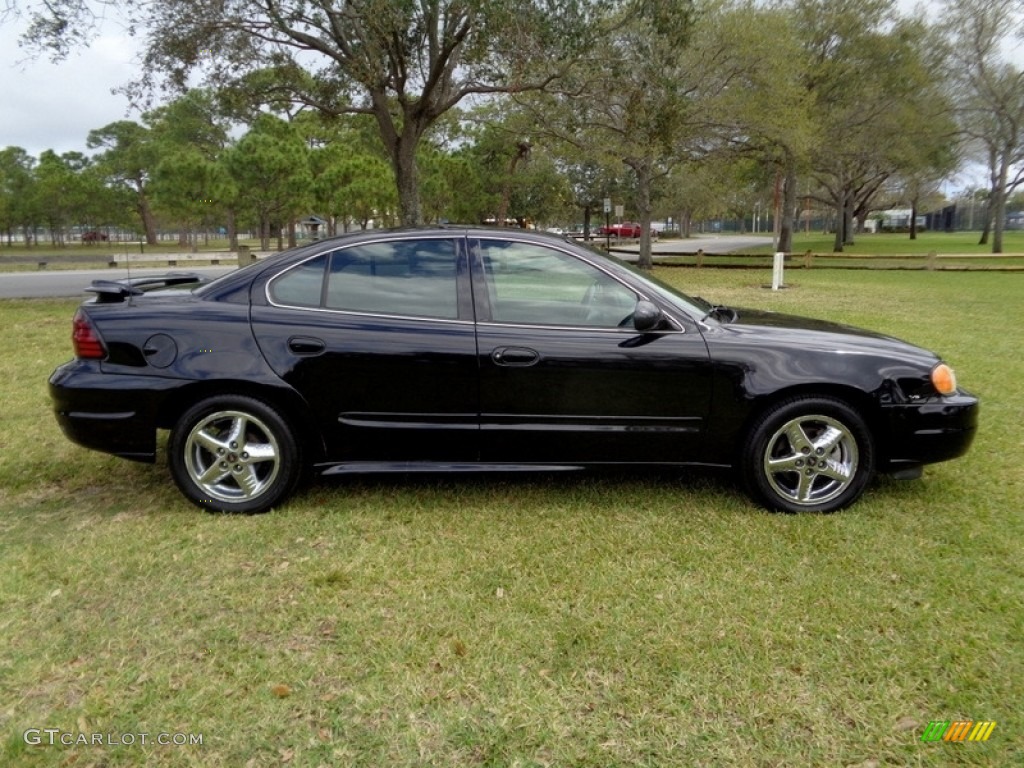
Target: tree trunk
(788,207)
(837,244)
(410,213)
(983,240)
(848,221)
(401,149)
(148,219)
(643,206)
(264,234)
(999,208)
(522,152)
(232,227)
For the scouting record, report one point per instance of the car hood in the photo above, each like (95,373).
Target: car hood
(811,334)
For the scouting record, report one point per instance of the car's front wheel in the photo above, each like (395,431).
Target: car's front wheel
(234,454)
(808,454)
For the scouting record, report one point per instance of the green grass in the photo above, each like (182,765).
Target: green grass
(887,244)
(567,621)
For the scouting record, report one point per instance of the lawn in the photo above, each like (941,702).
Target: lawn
(632,620)
(897,243)
(885,243)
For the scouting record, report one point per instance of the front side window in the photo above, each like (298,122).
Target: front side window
(536,285)
(415,278)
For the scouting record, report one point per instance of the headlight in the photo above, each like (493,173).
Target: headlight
(943,379)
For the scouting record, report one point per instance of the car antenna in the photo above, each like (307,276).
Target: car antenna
(128,267)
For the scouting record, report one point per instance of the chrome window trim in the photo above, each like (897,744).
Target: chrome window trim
(468,236)
(628,330)
(353,313)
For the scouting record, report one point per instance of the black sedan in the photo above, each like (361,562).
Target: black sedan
(454,349)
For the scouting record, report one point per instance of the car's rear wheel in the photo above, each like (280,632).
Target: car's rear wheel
(234,454)
(808,454)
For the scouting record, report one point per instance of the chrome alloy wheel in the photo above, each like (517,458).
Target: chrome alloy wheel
(232,455)
(811,459)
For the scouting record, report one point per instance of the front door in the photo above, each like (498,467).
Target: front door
(564,376)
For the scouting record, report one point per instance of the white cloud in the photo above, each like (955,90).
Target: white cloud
(46,105)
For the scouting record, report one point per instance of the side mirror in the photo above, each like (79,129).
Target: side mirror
(647,317)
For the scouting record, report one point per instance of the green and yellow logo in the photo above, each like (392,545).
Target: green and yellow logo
(958,730)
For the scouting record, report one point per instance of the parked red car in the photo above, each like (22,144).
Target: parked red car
(625,229)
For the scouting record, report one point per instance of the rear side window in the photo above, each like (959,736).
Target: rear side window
(415,278)
(404,277)
(301,286)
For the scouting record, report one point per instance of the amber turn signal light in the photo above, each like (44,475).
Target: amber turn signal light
(943,379)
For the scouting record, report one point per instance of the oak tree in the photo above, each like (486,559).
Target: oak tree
(404,62)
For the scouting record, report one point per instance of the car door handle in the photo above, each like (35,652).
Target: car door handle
(521,356)
(306,345)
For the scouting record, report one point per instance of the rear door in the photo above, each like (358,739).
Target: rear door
(564,376)
(379,338)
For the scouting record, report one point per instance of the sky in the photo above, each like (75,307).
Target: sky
(54,106)
(44,105)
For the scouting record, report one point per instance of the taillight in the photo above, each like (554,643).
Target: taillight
(84,338)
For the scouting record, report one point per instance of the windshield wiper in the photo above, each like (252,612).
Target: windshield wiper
(719,312)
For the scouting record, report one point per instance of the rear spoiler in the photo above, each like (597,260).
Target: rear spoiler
(114,291)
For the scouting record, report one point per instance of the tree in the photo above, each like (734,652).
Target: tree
(451,187)
(188,137)
(694,192)
(352,180)
(61,194)
(764,111)
(636,102)
(192,189)
(270,167)
(130,155)
(989,96)
(405,62)
(500,151)
(540,192)
(590,182)
(17,181)
(351,186)
(875,98)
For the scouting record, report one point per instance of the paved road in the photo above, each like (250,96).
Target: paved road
(73,282)
(706,243)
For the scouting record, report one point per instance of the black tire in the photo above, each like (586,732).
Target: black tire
(808,454)
(234,453)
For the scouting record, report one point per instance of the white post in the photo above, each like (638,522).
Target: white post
(777,270)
